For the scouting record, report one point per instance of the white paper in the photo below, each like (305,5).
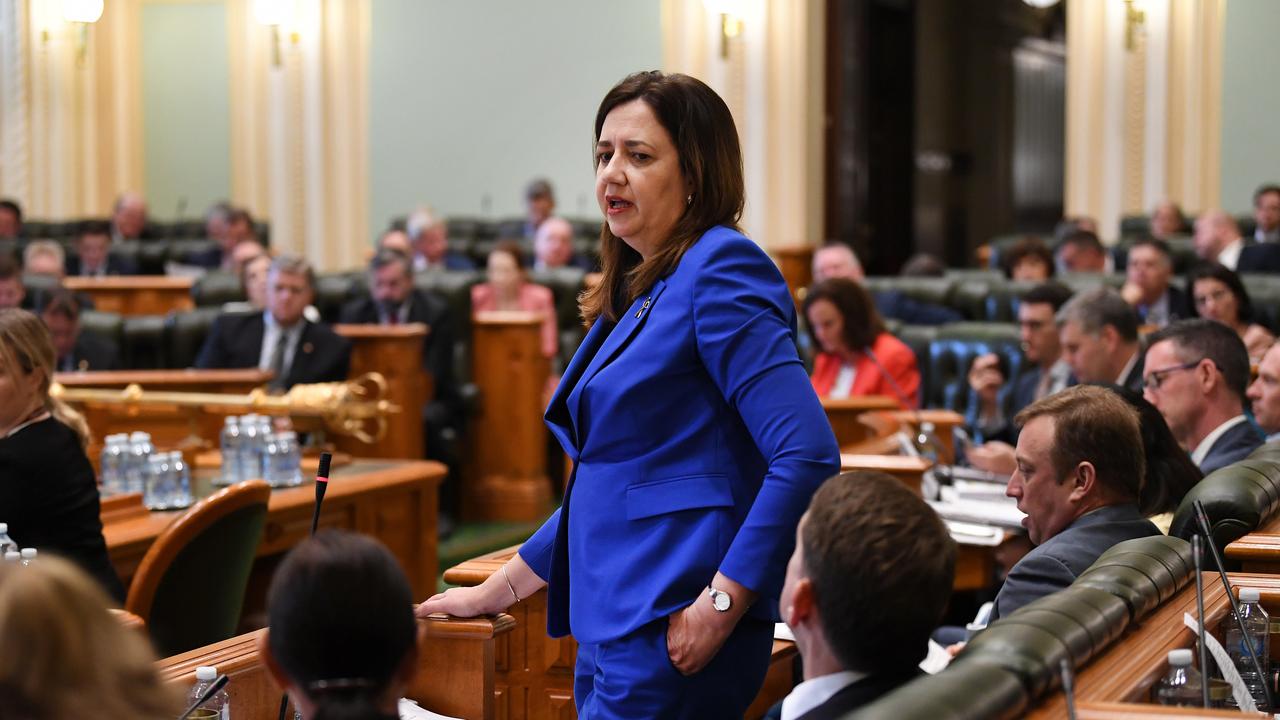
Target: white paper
(937,660)
(1244,699)
(410,710)
(987,513)
(782,631)
(974,534)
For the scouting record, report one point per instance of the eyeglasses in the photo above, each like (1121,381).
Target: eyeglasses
(1155,377)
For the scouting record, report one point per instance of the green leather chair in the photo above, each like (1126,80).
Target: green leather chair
(186,334)
(964,691)
(106,325)
(145,344)
(953,350)
(217,288)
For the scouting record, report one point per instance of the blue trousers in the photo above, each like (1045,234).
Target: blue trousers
(632,677)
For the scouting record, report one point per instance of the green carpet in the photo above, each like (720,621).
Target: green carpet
(477,538)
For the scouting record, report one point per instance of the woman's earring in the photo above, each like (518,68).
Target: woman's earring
(688,199)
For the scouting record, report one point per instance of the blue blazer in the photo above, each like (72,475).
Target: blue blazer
(697,441)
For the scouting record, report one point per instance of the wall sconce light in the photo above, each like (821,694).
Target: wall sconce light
(82,13)
(273,14)
(730,21)
(1134,21)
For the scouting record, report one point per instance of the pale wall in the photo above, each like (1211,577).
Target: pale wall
(1250,103)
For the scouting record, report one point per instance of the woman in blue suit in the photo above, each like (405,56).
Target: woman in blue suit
(696,436)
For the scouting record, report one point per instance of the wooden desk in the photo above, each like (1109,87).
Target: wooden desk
(796,263)
(847,416)
(507,475)
(393,501)
(454,676)
(535,672)
(1124,674)
(396,353)
(1257,552)
(135,294)
(908,470)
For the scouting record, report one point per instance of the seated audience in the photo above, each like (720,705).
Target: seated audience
(837,260)
(868,581)
(44,257)
(429,236)
(1218,239)
(1099,336)
(75,349)
(93,256)
(341,637)
(1078,480)
(508,288)
(215,221)
(1167,220)
(12,291)
(1046,372)
(395,239)
(923,265)
(1266,213)
(235,244)
(129,218)
(1219,295)
(1082,252)
(295,349)
(1197,374)
(48,490)
(1170,472)
(66,655)
(10,219)
(253,278)
(553,247)
(1147,275)
(1265,394)
(1028,259)
(540,205)
(1071,224)
(858,356)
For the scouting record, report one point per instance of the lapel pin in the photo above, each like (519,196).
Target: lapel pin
(307,348)
(644,307)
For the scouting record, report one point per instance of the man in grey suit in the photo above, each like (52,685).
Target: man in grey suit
(1196,374)
(1079,469)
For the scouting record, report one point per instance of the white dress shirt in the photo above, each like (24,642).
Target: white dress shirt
(1230,255)
(1198,455)
(271,331)
(1128,367)
(812,693)
(844,381)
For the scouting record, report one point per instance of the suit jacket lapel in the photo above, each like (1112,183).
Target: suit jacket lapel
(301,354)
(558,416)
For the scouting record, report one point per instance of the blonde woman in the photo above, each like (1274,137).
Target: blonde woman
(65,657)
(48,492)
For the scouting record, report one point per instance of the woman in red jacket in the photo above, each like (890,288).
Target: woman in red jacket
(858,357)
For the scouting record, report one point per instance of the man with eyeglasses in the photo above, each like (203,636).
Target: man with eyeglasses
(1196,374)
(1265,394)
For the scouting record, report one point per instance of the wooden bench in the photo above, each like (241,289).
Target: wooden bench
(796,263)
(454,675)
(396,353)
(535,672)
(393,501)
(135,294)
(848,416)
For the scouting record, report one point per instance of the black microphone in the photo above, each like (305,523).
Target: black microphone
(1197,547)
(322,484)
(218,683)
(1202,518)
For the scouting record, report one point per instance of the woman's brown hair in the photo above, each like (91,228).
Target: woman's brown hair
(706,142)
(25,347)
(862,323)
(65,656)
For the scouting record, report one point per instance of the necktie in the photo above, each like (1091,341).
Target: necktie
(277,360)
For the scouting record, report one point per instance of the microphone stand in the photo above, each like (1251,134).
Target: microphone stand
(1196,549)
(1202,518)
(322,484)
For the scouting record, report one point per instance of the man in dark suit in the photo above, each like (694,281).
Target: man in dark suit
(75,348)
(1197,374)
(838,260)
(280,339)
(235,244)
(1264,392)
(1147,288)
(93,256)
(1077,479)
(1260,258)
(553,247)
(1099,335)
(428,235)
(868,581)
(1266,214)
(129,219)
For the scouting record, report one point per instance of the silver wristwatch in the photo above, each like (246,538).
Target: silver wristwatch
(720,600)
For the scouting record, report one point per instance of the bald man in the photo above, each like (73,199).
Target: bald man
(838,260)
(1218,239)
(553,246)
(129,218)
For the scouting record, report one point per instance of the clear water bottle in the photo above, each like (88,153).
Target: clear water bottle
(271,453)
(140,450)
(1181,685)
(181,478)
(290,474)
(28,556)
(1258,626)
(13,556)
(113,464)
(927,442)
(156,492)
(220,702)
(231,442)
(6,542)
(250,448)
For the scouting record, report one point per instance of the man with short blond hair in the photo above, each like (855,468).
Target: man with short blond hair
(1078,476)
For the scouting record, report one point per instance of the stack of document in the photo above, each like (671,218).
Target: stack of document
(995,511)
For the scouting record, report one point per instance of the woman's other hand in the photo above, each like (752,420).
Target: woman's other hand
(512,582)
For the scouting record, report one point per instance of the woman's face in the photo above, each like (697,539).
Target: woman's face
(18,393)
(504,274)
(1031,268)
(639,185)
(827,326)
(1215,301)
